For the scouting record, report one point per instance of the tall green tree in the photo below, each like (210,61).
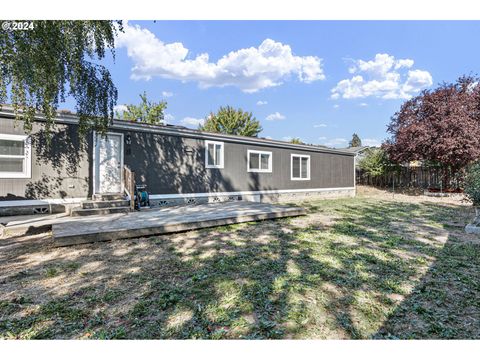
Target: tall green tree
(296,140)
(52,60)
(228,120)
(147,111)
(356,141)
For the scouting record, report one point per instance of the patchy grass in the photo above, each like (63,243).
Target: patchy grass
(352,268)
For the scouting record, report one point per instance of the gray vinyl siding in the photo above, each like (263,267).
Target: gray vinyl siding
(176,165)
(167,164)
(59,171)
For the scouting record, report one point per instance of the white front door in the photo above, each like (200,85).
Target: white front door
(108,163)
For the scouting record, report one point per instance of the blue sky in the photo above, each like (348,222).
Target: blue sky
(320,81)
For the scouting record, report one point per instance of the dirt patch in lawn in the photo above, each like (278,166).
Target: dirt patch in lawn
(413,196)
(369,267)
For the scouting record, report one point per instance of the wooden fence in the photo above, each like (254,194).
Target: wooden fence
(413,177)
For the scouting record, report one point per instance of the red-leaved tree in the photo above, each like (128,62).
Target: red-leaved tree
(441,126)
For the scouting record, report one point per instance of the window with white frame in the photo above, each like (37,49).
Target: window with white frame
(15,156)
(300,165)
(214,154)
(259,161)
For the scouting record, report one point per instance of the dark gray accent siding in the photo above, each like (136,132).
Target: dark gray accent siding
(176,165)
(58,171)
(168,164)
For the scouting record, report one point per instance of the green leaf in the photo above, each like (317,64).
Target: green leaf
(43,66)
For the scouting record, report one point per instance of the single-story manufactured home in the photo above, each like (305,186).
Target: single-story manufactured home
(178,165)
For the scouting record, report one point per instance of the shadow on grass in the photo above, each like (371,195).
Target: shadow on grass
(445,304)
(289,278)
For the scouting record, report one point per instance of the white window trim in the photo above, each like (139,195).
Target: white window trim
(27,158)
(220,166)
(269,170)
(291,167)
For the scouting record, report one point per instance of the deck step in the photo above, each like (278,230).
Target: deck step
(99,211)
(108,197)
(89,204)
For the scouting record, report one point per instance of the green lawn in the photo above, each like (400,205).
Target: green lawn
(353,268)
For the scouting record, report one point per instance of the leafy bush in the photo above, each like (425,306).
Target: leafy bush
(375,162)
(472,184)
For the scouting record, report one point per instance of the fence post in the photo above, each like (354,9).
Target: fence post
(393,188)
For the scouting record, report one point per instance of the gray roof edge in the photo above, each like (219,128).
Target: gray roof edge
(162,129)
(356,149)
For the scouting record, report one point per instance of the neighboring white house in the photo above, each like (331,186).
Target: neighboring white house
(359,152)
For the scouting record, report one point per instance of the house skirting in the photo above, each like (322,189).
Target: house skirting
(35,207)
(257,196)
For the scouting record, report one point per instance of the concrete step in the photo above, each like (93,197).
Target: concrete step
(108,197)
(104,204)
(99,211)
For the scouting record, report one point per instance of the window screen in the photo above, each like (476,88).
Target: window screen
(211,155)
(12,147)
(254,161)
(259,161)
(265,161)
(214,154)
(14,156)
(218,154)
(300,167)
(304,167)
(296,167)
(11,165)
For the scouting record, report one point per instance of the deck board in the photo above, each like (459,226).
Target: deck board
(165,220)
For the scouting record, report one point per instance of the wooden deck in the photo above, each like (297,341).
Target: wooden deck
(165,220)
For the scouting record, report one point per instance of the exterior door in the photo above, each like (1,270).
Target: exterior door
(108,163)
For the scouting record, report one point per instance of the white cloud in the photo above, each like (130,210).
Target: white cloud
(408,63)
(168,118)
(363,104)
(322,138)
(191,121)
(371,142)
(261,102)
(120,108)
(416,80)
(319,125)
(336,142)
(250,69)
(336,106)
(275,116)
(384,77)
(167,94)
